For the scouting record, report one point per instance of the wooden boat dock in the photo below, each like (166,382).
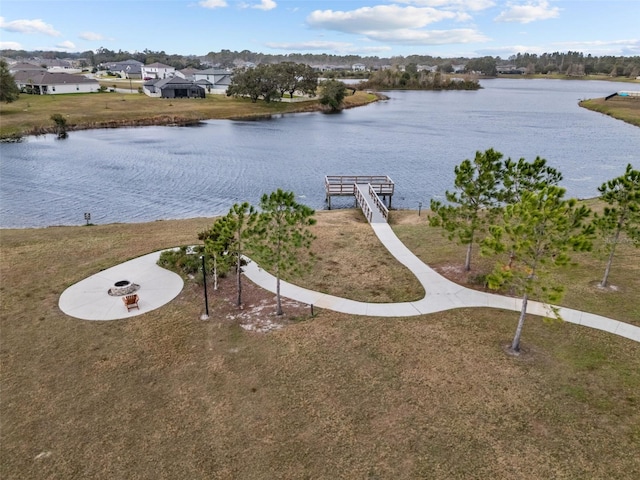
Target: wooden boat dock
(370,192)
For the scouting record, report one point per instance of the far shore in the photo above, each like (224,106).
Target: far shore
(31,114)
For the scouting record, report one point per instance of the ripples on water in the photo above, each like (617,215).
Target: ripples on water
(150,173)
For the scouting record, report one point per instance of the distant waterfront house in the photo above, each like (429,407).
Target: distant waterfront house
(127,68)
(358,67)
(187,73)
(215,80)
(173,87)
(26,66)
(157,70)
(44,83)
(510,70)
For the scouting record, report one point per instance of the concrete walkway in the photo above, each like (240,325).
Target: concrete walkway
(441,294)
(89,299)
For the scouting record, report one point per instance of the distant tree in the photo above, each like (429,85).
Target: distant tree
(216,246)
(483,65)
(622,194)
(239,227)
(283,235)
(471,206)
(539,229)
(332,94)
(292,77)
(8,89)
(411,69)
(257,82)
(61,125)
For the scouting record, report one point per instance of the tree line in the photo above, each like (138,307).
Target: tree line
(569,63)
(412,79)
(517,212)
(270,82)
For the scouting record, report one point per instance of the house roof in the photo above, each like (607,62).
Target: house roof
(46,78)
(25,66)
(158,65)
(213,71)
(189,71)
(171,82)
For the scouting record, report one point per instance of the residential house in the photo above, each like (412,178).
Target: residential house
(359,67)
(187,73)
(173,87)
(157,70)
(46,83)
(510,70)
(25,66)
(131,69)
(214,80)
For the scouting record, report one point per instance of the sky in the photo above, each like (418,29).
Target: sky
(445,28)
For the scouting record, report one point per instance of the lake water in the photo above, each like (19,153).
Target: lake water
(151,173)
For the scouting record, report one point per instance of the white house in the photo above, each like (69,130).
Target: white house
(214,80)
(45,83)
(358,67)
(157,70)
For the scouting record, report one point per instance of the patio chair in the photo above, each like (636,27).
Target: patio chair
(131,301)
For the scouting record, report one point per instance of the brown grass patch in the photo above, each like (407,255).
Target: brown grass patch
(30,114)
(347,250)
(626,109)
(167,395)
(580,279)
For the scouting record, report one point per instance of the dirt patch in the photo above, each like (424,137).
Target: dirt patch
(609,288)
(258,310)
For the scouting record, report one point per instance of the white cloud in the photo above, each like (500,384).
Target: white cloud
(528,12)
(10,46)
(430,37)
(265,5)
(378,18)
(91,36)
(342,48)
(213,3)
(508,50)
(629,47)
(473,5)
(396,24)
(29,26)
(66,45)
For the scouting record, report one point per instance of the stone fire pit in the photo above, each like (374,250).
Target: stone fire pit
(123,287)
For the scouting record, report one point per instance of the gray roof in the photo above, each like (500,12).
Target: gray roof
(46,78)
(158,65)
(213,71)
(171,81)
(25,66)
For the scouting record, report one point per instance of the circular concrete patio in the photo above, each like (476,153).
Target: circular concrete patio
(89,299)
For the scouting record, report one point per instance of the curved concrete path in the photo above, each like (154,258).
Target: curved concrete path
(89,299)
(441,294)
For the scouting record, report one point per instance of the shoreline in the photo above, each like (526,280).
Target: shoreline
(85,112)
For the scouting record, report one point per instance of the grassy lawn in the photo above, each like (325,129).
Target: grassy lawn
(581,279)
(31,114)
(165,395)
(626,109)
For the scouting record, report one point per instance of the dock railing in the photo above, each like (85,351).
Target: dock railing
(364,205)
(345,184)
(378,203)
